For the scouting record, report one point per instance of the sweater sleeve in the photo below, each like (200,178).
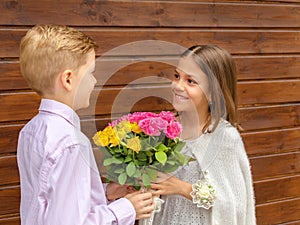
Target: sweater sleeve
(230,172)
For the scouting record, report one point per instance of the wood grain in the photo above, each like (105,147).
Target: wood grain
(14,220)
(9,200)
(265,92)
(9,137)
(273,166)
(121,71)
(150,14)
(9,173)
(278,213)
(286,188)
(266,117)
(168,41)
(271,141)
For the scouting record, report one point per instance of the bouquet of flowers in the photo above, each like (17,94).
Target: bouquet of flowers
(140,144)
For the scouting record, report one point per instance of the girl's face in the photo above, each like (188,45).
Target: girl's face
(190,87)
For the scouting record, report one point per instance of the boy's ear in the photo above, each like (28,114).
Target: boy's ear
(66,79)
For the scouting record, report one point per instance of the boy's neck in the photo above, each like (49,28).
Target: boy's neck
(65,100)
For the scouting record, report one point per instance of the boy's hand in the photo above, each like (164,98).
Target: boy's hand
(143,204)
(115,191)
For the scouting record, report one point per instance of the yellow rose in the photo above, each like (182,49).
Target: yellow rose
(114,140)
(124,125)
(119,133)
(108,131)
(101,139)
(135,128)
(134,144)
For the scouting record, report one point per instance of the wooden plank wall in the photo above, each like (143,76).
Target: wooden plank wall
(263,36)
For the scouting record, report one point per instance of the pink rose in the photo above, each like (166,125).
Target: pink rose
(173,130)
(167,115)
(153,126)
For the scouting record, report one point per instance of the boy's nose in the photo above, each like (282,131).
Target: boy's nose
(95,80)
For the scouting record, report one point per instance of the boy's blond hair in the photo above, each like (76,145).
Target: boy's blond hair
(47,50)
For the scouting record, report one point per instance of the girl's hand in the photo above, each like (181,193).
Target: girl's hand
(115,191)
(172,186)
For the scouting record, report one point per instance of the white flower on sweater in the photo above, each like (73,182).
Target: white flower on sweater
(203,194)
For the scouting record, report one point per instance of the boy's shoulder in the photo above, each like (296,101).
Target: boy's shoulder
(51,130)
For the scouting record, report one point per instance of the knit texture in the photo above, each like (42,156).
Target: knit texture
(221,154)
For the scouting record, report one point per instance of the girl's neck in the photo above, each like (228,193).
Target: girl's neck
(192,124)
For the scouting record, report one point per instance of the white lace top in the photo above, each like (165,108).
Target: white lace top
(177,210)
(222,154)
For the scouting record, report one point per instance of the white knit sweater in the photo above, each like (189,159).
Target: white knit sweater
(222,154)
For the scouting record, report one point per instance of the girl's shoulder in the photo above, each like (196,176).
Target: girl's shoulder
(227,131)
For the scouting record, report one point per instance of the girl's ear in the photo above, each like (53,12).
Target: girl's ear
(66,79)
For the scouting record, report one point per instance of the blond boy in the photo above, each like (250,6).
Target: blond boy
(60,184)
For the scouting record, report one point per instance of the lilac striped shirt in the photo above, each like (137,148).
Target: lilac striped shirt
(60,182)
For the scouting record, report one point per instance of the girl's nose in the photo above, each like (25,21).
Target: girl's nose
(178,85)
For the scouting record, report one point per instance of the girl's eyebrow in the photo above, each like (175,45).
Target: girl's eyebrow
(189,75)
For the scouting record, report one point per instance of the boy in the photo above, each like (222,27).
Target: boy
(60,184)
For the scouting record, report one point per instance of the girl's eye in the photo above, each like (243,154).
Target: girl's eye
(176,76)
(191,81)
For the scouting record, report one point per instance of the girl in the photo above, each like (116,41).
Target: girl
(216,188)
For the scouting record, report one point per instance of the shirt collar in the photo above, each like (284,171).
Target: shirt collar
(60,109)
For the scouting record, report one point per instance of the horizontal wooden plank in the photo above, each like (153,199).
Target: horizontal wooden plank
(262,92)
(24,106)
(9,137)
(121,71)
(125,41)
(9,200)
(267,67)
(278,213)
(9,173)
(278,165)
(114,100)
(152,13)
(265,167)
(271,141)
(266,117)
(256,143)
(15,220)
(277,189)
(108,72)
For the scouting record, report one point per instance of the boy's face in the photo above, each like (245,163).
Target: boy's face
(85,83)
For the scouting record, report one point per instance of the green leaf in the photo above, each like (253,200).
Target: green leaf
(180,157)
(108,161)
(171,162)
(119,170)
(179,146)
(169,169)
(146,180)
(161,157)
(128,159)
(142,156)
(112,160)
(161,147)
(137,174)
(122,178)
(130,169)
(152,173)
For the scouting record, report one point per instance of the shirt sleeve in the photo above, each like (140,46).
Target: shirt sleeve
(72,193)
